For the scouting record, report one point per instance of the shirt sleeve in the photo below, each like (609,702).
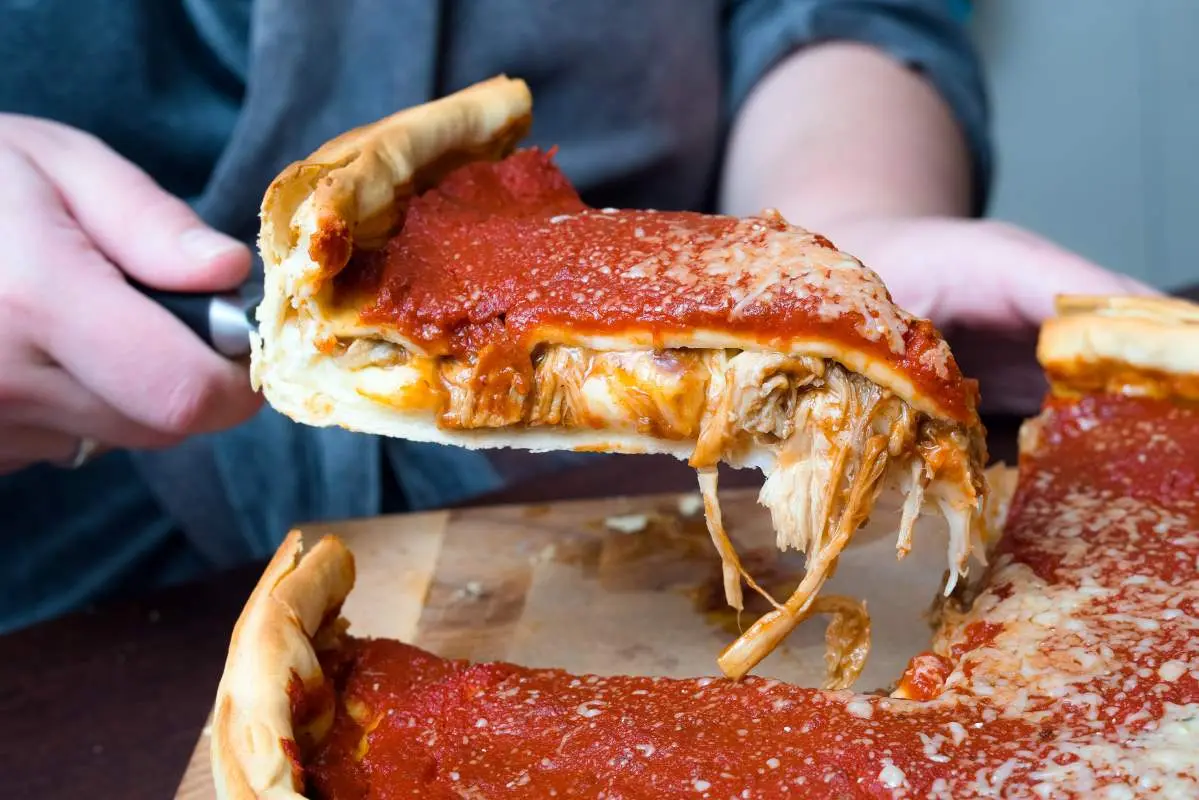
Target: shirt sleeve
(926,35)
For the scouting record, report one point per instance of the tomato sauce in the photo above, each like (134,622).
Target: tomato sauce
(925,676)
(496,730)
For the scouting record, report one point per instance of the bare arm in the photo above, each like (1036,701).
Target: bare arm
(841,130)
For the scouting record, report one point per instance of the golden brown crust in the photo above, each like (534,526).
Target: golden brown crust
(354,183)
(1123,345)
(272,644)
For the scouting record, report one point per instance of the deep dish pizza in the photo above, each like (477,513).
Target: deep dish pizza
(427,280)
(1072,672)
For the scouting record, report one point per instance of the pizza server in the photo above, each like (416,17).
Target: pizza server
(224,321)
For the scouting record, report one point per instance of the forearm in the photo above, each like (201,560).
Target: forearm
(840,131)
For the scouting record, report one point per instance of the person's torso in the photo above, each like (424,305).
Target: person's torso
(631,92)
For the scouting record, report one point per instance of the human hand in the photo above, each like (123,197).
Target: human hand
(987,285)
(82,354)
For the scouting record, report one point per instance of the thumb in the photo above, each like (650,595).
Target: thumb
(150,234)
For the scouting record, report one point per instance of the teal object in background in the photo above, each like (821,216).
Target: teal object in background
(962,10)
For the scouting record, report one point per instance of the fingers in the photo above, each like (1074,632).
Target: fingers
(40,396)
(989,286)
(143,362)
(82,354)
(1131,285)
(150,234)
(1033,271)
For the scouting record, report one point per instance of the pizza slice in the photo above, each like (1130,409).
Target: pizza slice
(426,279)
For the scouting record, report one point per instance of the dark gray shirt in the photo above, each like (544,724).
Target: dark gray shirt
(213,97)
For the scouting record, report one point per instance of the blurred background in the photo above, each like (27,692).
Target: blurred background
(1096,127)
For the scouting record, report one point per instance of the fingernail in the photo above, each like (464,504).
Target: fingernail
(205,244)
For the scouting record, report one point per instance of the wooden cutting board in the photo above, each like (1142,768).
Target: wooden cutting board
(626,585)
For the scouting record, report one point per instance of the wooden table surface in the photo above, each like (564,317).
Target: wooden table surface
(108,702)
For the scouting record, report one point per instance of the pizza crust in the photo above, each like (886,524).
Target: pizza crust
(1123,345)
(272,642)
(351,186)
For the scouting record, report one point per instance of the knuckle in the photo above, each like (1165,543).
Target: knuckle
(21,293)
(60,137)
(30,283)
(188,404)
(38,137)
(15,127)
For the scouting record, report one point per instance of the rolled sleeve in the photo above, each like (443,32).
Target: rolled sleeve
(926,35)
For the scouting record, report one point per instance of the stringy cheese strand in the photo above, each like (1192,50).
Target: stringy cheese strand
(912,505)
(764,635)
(730,563)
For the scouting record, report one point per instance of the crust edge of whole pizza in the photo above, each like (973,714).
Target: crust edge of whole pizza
(1140,346)
(274,645)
